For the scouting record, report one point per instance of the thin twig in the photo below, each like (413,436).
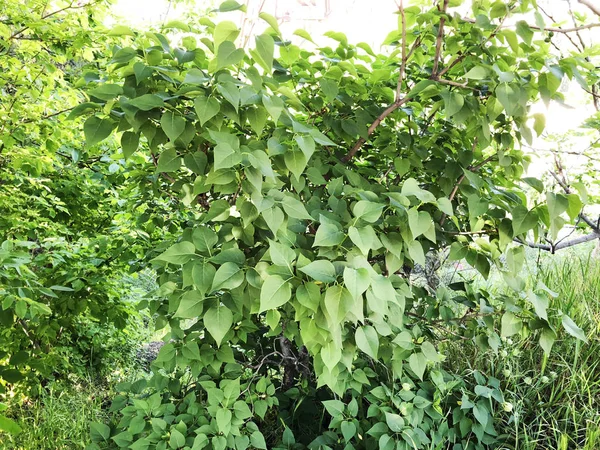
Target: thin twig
(398,100)
(552,29)
(593,7)
(45,16)
(29,120)
(472,168)
(438,42)
(403,63)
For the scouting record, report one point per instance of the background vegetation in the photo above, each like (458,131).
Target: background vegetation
(331,247)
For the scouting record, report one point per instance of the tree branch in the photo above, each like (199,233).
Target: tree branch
(472,168)
(45,16)
(398,101)
(595,8)
(438,42)
(552,29)
(568,190)
(561,245)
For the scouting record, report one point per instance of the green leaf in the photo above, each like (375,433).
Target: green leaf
(338,302)
(295,209)
(147,102)
(430,352)
(539,123)
(357,281)
(571,327)
(257,440)
(304,35)
(306,144)
(275,292)
(169,161)
(419,222)
(524,31)
(295,161)
(575,206)
(367,340)
(190,305)
(218,321)
(481,414)
(507,96)
(328,235)
(274,106)
(224,420)
(364,238)
(206,108)
(511,324)
(204,239)
(476,73)
(540,304)
(107,91)
(228,55)
(129,143)
(172,124)
(367,211)
(320,270)
(231,93)
(335,408)
(331,355)
(453,102)
(226,156)
(202,276)
(418,363)
(523,220)
(557,204)
(445,205)
(228,276)
(10,426)
(329,88)
(99,432)
(176,440)
(225,31)
(271,20)
(96,130)
(242,410)
(265,47)
(309,295)
(282,255)
(348,430)
(547,338)
(274,218)
(416,253)
(178,254)
(231,5)
(395,422)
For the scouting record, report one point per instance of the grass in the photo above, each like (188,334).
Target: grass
(557,398)
(60,418)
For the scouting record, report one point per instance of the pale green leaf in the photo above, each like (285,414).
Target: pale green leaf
(218,321)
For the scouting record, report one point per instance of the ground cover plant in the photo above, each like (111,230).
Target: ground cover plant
(284,195)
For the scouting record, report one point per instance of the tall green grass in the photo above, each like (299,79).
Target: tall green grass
(59,419)
(556,399)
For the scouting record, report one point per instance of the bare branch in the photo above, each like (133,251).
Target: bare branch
(390,109)
(45,16)
(438,42)
(552,29)
(403,62)
(561,245)
(398,101)
(595,8)
(472,168)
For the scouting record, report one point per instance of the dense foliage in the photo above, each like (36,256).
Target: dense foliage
(285,197)
(69,224)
